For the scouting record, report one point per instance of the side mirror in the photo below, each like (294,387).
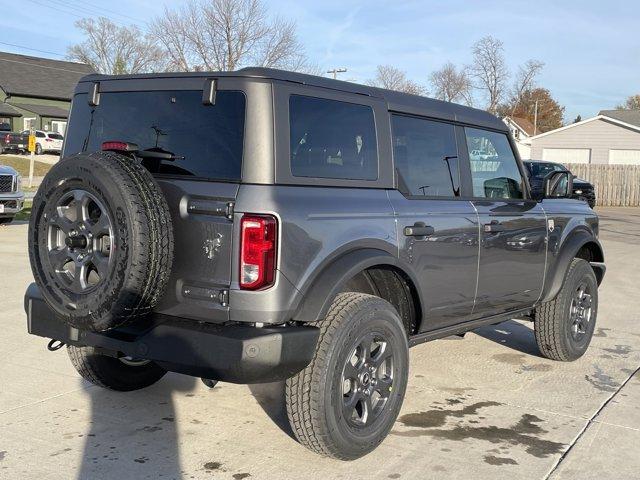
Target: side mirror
(558,185)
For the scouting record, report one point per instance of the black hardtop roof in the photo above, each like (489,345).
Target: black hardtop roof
(397,101)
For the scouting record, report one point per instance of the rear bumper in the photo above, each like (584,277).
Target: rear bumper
(232,353)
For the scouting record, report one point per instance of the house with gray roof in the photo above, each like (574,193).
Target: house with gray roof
(611,137)
(37,92)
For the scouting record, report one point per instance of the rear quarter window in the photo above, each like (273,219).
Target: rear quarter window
(332,139)
(207,140)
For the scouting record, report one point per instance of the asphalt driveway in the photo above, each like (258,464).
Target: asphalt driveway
(487,406)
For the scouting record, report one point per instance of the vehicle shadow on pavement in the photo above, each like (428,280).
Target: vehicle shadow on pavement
(513,335)
(133,434)
(271,398)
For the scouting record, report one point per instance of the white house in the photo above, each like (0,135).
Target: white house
(521,130)
(611,137)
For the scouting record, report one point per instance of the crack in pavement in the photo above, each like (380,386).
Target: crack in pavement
(590,422)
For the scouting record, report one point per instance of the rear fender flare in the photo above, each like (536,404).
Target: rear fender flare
(318,296)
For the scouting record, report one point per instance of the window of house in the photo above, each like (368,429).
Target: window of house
(58,126)
(426,157)
(332,139)
(494,170)
(29,123)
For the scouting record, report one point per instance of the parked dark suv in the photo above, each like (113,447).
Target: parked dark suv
(539,169)
(261,225)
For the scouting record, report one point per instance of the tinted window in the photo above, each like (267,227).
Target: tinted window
(205,140)
(40,135)
(425,156)
(56,136)
(494,169)
(331,139)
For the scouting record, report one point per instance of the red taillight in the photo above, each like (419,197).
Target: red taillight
(7,139)
(258,246)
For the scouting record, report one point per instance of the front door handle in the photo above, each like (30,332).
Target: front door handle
(494,227)
(419,229)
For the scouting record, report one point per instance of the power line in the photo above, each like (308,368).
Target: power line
(56,9)
(96,7)
(82,8)
(32,49)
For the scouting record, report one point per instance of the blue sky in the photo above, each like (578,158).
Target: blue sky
(591,49)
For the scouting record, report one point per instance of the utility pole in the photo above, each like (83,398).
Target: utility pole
(336,71)
(535,119)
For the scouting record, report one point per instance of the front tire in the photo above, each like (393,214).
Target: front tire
(345,402)
(112,373)
(564,326)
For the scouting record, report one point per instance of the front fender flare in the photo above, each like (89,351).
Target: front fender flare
(558,264)
(318,296)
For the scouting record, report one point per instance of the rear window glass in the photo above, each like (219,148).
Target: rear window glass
(205,140)
(332,139)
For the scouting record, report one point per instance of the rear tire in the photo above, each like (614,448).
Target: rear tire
(113,373)
(5,220)
(345,402)
(564,326)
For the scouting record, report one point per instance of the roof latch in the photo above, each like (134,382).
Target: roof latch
(94,94)
(209,92)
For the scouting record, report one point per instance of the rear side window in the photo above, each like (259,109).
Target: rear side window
(332,139)
(426,157)
(56,136)
(206,140)
(494,170)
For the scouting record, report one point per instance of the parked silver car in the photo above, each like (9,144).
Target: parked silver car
(11,196)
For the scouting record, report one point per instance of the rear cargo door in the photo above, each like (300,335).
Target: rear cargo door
(193,145)
(202,215)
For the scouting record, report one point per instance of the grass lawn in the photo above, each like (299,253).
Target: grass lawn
(21,164)
(26,211)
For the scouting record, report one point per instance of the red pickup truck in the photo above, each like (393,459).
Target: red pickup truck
(15,142)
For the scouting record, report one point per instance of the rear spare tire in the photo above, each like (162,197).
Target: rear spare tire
(100,240)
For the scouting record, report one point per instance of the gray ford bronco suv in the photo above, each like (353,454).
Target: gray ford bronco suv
(261,225)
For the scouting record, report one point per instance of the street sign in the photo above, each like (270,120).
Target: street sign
(32,148)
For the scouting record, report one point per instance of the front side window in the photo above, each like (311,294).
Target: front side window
(494,170)
(332,139)
(426,157)
(205,141)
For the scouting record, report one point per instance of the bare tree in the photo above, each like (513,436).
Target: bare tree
(631,103)
(524,81)
(227,35)
(112,49)
(393,78)
(489,70)
(451,85)
(172,32)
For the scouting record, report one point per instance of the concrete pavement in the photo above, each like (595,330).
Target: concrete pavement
(487,406)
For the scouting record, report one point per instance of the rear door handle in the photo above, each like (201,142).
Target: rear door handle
(494,227)
(419,230)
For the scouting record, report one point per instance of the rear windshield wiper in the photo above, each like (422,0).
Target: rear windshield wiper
(159,154)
